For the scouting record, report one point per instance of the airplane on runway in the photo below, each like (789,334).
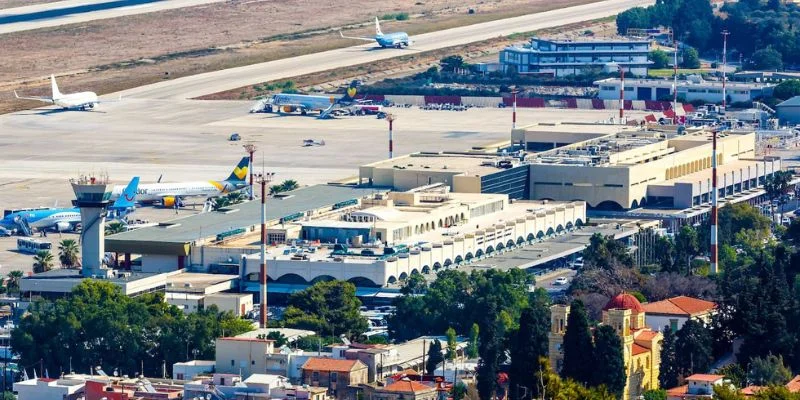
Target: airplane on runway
(289,102)
(64,219)
(172,194)
(395,39)
(72,101)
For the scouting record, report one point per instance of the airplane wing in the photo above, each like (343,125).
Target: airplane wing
(38,98)
(368,39)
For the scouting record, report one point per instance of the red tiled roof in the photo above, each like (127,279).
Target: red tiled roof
(637,349)
(751,390)
(645,335)
(678,391)
(330,364)
(705,377)
(681,305)
(624,301)
(407,387)
(794,384)
(246,339)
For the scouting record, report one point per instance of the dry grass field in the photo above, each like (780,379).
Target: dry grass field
(119,53)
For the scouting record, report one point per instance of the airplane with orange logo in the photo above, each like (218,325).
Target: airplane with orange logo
(305,103)
(170,194)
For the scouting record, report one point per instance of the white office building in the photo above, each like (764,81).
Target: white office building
(575,57)
(694,88)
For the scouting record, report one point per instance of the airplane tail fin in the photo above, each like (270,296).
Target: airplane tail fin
(54,86)
(128,196)
(350,94)
(239,173)
(378,27)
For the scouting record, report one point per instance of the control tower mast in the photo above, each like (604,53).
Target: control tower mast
(92,196)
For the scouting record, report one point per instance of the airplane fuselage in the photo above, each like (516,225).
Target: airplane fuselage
(81,100)
(60,218)
(285,102)
(395,39)
(151,192)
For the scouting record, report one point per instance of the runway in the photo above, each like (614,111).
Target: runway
(218,81)
(76,11)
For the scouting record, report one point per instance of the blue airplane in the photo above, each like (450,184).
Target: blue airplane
(65,219)
(395,39)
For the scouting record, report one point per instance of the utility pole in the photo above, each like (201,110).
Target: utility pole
(250,148)
(725,34)
(621,93)
(714,203)
(675,80)
(514,108)
(391,118)
(263,179)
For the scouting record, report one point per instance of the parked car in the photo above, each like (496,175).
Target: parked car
(561,281)
(235,137)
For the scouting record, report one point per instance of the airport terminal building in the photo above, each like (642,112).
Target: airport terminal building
(561,58)
(692,89)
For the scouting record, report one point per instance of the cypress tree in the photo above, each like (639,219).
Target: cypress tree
(526,347)
(608,354)
(668,372)
(578,363)
(489,350)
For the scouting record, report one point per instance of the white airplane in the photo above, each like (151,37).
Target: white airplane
(170,194)
(75,101)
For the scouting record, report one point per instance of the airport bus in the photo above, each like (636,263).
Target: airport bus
(32,246)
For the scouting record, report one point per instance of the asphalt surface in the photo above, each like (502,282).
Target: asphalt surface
(76,11)
(218,81)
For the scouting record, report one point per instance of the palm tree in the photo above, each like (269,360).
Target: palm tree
(42,261)
(68,252)
(13,280)
(289,185)
(776,186)
(114,228)
(220,202)
(235,197)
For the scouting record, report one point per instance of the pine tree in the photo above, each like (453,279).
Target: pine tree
(526,347)
(693,348)
(489,350)
(608,354)
(668,374)
(435,357)
(578,363)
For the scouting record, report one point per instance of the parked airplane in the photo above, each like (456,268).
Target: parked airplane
(395,39)
(170,194)
(79,101)
(288,102)
(63,219)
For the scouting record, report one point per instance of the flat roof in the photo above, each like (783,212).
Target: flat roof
(457,163)
(175,236)
(685,83)
(577,127)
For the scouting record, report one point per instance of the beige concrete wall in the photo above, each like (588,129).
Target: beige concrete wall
(234,356)
(466,184)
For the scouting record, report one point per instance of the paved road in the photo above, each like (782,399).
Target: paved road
(213,82)
(78,17)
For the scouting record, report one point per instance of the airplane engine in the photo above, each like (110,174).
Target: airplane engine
(288,109)
(91,105)
(63,226)
(168,201)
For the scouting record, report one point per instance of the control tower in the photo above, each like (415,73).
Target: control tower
(92,196)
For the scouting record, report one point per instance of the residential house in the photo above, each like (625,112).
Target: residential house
(698,386)
(676,311)
(341,377)
(48,388)
(186,371)
(243,356)
(401,390)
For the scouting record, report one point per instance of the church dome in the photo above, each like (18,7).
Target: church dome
(624,301)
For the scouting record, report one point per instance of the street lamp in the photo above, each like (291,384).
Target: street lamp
(391,117)
(263,179)
(250,148)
